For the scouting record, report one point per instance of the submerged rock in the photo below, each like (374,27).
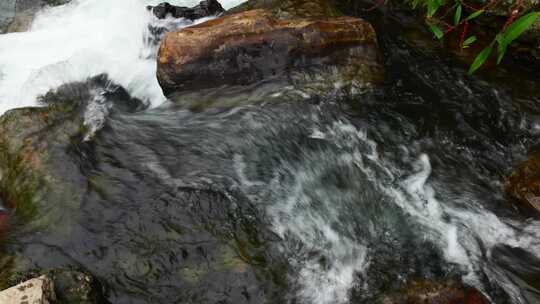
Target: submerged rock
(204,9)
(309,57)
(430,292)
(34,140)
(123,217)
(524,183)
(72,286)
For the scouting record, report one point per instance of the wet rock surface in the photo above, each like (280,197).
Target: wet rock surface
(313,57)
(169,205)
(204,9)
(432,292)
(504,8)
(201,244)
(523,184)
(33,141)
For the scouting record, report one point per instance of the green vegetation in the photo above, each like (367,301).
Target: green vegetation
(446,16)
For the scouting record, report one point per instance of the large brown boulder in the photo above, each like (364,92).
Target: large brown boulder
(524,183)
(249,47)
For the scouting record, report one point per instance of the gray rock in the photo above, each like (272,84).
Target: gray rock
(35,291)
(204,9)
(7,13)
(17,15)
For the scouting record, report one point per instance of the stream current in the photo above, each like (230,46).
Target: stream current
(322,201)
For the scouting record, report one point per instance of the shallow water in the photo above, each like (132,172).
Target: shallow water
(322,201)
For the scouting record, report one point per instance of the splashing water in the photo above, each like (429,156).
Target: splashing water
(315,205)
(80,40)
(317,218)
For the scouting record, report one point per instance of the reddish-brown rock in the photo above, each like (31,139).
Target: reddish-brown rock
(524,183)
(252,46)
(431,292)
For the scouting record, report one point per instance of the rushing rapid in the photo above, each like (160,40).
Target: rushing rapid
(79,40)
(316,202)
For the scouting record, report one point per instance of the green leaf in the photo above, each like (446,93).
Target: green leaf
(475,14)
(480,59)
(518,27)
(436,31)
(433,6)
(457,16)
(513,32)
(469,41)
(501,50)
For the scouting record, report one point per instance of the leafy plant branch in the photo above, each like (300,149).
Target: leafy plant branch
(444,18)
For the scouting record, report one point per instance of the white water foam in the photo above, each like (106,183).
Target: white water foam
(79,40)
(311,213)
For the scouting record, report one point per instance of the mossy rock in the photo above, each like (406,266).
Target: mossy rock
(34,147)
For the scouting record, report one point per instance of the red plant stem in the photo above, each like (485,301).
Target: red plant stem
(463,34)
(448,25)
(513,16)
(377,4)
(469,6)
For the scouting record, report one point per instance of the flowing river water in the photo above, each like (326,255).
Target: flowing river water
(328,201)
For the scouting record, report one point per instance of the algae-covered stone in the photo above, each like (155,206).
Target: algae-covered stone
(35,142)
